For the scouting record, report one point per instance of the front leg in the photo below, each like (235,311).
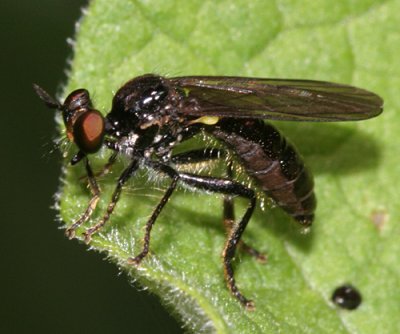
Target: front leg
(95,190)
(126,174)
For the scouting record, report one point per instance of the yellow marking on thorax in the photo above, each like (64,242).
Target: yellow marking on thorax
(208,120)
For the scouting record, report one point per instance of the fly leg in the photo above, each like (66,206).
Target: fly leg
(150,223)
(106,168)
(194,156)
(112,145)
(217,185)
(95,190)
(208,154)
(232,188)
(229,220)
(126,174)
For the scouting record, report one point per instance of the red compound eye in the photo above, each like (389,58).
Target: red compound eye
(88,131)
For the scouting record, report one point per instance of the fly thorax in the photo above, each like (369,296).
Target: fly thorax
(127,144)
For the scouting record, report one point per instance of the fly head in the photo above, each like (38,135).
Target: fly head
(85,126)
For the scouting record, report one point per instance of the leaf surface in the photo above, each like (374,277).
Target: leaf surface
(355,237)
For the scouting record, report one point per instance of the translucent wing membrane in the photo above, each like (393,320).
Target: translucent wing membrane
(278,99)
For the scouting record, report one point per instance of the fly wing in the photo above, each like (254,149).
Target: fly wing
(277,99)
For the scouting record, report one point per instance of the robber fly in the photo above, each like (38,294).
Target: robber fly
(151,115)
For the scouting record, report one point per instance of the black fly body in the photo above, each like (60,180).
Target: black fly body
(152,115)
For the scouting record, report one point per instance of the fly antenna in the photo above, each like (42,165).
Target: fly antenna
(50,101)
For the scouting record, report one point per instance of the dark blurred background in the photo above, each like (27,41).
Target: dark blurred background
(48,283)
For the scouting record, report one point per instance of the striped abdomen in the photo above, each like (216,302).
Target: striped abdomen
(273,163)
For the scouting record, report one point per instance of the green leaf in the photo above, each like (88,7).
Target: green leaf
(355,238)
